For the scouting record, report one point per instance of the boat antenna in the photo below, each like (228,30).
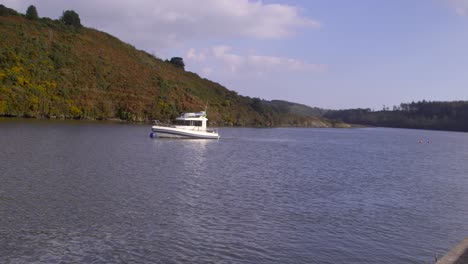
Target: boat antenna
(206,106)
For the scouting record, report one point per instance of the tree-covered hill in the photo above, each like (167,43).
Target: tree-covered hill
(424,115)
(297,109)
(58,68)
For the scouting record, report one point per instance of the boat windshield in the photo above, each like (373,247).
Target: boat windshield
(188,123)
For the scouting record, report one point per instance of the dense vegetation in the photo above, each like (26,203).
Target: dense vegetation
(426,115)
(58,68)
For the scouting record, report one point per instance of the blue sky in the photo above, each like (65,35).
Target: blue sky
(325,53)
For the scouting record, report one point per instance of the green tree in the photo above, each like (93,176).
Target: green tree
(31,13)
(71,18)
(257,105)
(5,11)
(178,62)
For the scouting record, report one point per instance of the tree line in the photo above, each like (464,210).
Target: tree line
(436,115)
(69,17)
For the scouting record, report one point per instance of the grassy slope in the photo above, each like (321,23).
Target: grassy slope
(48,69)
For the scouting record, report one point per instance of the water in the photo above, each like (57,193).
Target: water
(107,193)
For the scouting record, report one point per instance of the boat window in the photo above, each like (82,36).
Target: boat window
(188,123)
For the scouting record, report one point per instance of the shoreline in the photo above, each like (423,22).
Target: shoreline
(121,121)
(148,122)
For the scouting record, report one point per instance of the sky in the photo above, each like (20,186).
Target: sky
(332,54)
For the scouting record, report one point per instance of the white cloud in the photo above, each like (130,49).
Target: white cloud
(206,71)
(193,55)
(260,65)
(150,24)
(233,61)
(461,6)
(460,11)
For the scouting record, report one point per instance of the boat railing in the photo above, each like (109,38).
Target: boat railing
(195,128)
(212,130)
(207,130)
(159,123)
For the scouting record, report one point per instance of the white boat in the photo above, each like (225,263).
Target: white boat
(188,125)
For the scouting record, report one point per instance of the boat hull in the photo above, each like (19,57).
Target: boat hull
(169,132)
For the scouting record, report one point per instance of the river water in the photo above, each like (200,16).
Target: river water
(84,192)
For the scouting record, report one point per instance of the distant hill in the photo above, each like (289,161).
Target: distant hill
(52,68)
(423,115)
(297,109)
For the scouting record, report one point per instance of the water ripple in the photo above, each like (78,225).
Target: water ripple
(93,193)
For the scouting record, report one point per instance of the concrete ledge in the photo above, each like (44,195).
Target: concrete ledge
(458,254)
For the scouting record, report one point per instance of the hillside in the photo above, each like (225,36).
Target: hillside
(49,69)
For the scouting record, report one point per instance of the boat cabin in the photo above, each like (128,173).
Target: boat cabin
(196,120)
(188,125)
